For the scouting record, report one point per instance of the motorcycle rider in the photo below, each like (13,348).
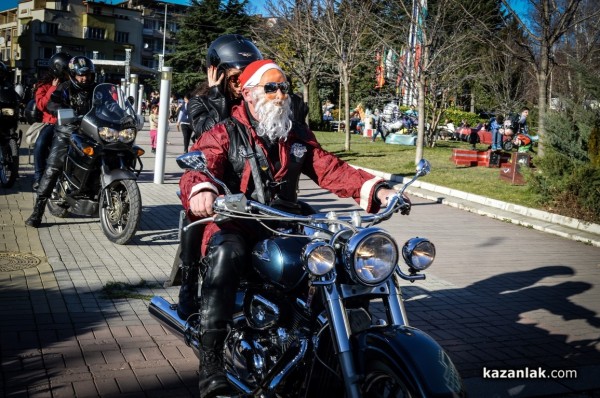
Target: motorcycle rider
(227,57)
(75,93)
(57,74)
(259,131)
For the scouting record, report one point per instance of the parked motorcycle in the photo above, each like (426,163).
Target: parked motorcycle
(102,166)
(10,136)
(306,321)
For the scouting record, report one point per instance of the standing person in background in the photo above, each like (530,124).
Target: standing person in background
(521,127)
(227,57)
(495,125)
(377,125)
(58,73)
(153,126)
(183,123)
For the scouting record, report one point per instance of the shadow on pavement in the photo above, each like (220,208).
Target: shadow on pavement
(487,325)
(67,343)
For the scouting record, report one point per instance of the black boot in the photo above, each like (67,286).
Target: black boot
(213,382)
(188,292)
(35,219)
(44,191)
(190,263)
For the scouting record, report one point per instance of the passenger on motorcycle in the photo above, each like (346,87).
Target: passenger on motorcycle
(57,74)
(74,93)
(259,152)
(227,57)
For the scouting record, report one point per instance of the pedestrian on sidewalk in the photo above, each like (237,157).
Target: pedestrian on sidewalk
(183,123)
(153,126)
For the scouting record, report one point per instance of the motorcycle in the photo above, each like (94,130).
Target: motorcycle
(306,323)
(102,165)
(10,136)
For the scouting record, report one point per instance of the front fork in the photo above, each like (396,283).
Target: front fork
(341,331)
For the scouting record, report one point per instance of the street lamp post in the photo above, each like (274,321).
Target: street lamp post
(163,124)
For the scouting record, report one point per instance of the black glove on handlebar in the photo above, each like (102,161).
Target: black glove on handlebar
(405,208)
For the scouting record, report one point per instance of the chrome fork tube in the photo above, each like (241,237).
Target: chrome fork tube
(340,331)
(395,303)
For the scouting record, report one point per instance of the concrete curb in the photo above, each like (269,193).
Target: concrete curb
(566,227)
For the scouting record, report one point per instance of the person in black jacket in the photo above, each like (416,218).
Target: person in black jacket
(75,93)
(227,57)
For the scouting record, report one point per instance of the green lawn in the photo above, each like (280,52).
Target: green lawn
(399,159)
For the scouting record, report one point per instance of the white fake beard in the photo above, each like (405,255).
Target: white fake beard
(274,116)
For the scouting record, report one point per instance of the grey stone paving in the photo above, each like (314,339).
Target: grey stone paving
(499,295)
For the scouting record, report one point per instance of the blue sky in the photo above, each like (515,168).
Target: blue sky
(6,4)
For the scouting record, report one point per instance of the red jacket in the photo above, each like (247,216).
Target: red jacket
(326,169)
(42,97)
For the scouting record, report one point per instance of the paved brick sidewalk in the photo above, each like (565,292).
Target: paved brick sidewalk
(490,299)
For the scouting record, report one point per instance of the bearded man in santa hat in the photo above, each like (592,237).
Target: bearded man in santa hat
(261,153)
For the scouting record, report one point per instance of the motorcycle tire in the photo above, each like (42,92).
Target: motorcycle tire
(507,146)
(9,164)
(120,215)
(381,381)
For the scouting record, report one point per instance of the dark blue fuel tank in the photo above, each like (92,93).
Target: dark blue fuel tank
(278,261)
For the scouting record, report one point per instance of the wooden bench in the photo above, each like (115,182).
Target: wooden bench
(468,157)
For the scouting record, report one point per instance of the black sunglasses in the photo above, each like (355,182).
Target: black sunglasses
(271,88)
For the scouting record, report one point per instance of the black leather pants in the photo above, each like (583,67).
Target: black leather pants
(55,161)
(225,262)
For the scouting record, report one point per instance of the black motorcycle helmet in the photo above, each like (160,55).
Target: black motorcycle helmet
(79,66)
(232,51)
(59,65)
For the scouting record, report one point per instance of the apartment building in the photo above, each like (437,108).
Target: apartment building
(121,36)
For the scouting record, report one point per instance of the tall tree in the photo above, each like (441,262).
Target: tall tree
(205,21)
(344,30)
(441,47)
(289,35)
(549,21)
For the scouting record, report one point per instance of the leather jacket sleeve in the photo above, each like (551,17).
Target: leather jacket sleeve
(207,110)
(59,98)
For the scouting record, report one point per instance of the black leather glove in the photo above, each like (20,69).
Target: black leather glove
(405,208)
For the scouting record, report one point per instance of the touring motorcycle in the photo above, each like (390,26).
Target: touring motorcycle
(102,165)
(306,322)
(10,136)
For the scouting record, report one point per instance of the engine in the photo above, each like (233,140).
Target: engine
(264,339)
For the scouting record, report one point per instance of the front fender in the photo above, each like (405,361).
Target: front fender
(110,176)
(416,354)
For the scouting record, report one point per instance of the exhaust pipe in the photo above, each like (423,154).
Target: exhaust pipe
(166,313)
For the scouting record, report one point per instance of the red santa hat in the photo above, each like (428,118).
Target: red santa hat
(252,74)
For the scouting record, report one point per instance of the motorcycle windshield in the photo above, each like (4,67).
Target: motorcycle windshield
(110,105)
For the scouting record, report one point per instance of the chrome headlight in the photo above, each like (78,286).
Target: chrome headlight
(418,253)
(318,258)
(112,135)
(371,256)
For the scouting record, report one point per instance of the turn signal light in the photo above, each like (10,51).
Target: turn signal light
(140,152)
(88,150)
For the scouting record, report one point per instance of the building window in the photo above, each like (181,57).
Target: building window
(95,33)
(121,37)
(46,52)
(49,28)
